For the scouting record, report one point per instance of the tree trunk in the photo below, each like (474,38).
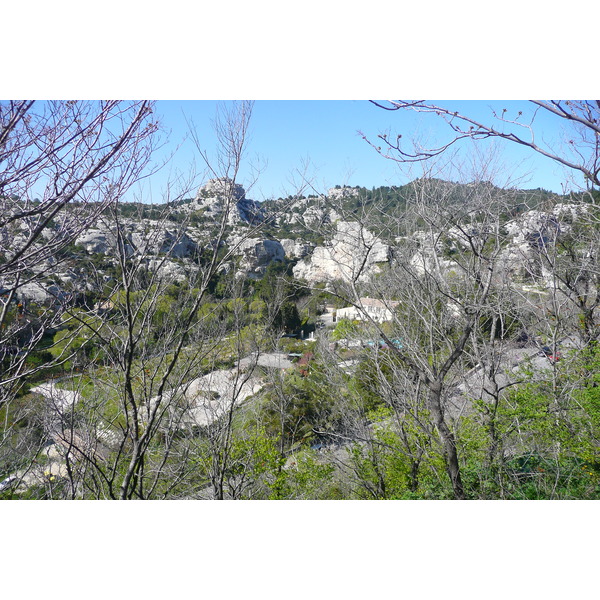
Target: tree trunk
(448,442)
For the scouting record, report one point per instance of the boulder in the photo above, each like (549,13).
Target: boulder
(95,241)
(43,293)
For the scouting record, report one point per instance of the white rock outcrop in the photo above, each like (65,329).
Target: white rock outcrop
(352,254)
(142,237)
(342,192)
(167,270)
(258,253)
(96,241)
(222,194)
(42,293)
(295,249)
(206,399)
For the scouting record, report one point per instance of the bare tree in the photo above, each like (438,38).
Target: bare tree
(581,150)
(439,285)
(62,164)
(561,256)
(156,365)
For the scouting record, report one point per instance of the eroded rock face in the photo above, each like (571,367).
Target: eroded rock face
(175,244)
(296,248)
(42,293)
(353,253)
(222,194)
(167,270)
(95,241)
(140,238)
(257,254)
(536,226)
(222,187)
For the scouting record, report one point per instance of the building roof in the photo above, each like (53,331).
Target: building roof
(375,302)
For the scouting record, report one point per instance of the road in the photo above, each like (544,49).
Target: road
(274,360)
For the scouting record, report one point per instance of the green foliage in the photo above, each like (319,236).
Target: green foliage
(306,477)
(386,468)
(294,345)
(255,464)
(77,341)
(287,318)
(296,417)
(367,382)
(299,405)
(278,282)
(542,439)
(346,329)
(258,311)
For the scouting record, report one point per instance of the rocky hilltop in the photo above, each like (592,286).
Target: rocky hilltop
(321,238)
(219,196)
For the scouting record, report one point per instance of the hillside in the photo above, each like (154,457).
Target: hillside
(191,308)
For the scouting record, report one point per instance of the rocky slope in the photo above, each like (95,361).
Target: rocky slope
(352,254)
(321,235)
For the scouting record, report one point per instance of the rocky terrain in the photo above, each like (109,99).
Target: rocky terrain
(322,236)
(352,254)
(344,236)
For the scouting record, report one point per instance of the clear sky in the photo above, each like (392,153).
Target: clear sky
(319,141)
(315,51)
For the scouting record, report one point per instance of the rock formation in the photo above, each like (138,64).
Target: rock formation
(295,249)
(257,254)
(352,254)
(222,194)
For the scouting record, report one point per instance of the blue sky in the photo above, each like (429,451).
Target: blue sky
(317,50)
(320,139)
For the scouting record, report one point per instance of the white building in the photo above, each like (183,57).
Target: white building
(378,310)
